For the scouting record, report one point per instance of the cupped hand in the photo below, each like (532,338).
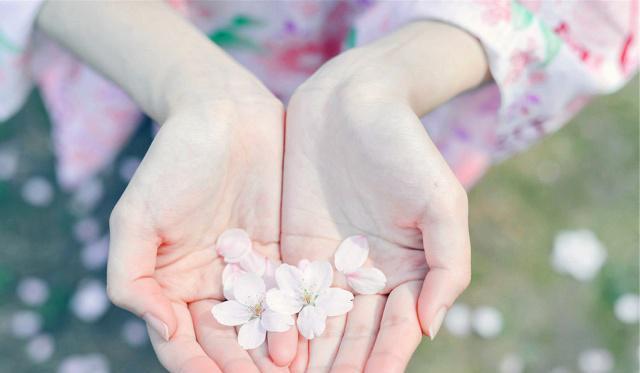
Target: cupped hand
(213,166)
(359,161)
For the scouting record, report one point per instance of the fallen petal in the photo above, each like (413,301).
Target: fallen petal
(367,280)
(251,334)
(335,301)
(311,322)
(249,289)
(233,244)
(318,276)
(351,254)
(231,313)
(253,262)
(284,302)
(275,321)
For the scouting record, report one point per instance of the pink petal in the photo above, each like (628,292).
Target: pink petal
(283,301)
(367,280)
(318,276)
(253,262)
(231,313)
(269,275)
(351,254)
(251,334)
(229,276)
(335,301)
(289,278)
(233,244)
(311,322)
(249,289)
(276,321)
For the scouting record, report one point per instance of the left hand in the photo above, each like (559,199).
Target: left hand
(358,161)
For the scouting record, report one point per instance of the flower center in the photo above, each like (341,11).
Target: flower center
(258,309)
(308,297)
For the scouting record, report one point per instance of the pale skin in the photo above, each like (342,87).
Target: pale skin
(358,161)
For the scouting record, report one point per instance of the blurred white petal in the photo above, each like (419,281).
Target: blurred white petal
(627,308)
(597,360)
(33,291)
(90,302)
(487,322)
(578,253)
(458,320)
(40,348)
(37,191)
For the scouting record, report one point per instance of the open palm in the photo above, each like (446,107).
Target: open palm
(208,169)
(361,163)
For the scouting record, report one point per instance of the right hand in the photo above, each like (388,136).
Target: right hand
(212,166)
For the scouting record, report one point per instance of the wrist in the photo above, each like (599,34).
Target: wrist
(422,65)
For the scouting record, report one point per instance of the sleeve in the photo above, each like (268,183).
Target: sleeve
(16,25)
(546,58)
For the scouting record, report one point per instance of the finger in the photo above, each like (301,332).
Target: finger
(260,356)
(182,353)
(130,269)
(324,348)
(363,323)
(299,363)
(399,334)
(282,346)
(448,253)
(218,341)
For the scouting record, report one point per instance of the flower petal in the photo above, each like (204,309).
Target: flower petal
(289,278)
(283,301)
(229,276)
(269,275)
(253,262)
(231,313)
(251,334)
(233,244)
(317,276)
(351,254)
(367,280)
(249,289)
(311,322)
(335,301)
(275,321)
(303,263)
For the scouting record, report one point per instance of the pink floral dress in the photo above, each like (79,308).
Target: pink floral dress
(547,59)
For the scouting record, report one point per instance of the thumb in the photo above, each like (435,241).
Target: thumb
(448,253)
(130,269)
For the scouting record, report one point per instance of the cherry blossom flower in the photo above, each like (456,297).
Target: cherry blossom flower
(349,258)
(235,246)
(248,308)
(307,292)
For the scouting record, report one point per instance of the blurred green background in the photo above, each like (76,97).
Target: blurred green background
(520,314)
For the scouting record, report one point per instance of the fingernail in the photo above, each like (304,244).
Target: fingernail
(437,322)
(157,325)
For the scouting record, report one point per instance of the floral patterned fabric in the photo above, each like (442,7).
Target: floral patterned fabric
(547,58)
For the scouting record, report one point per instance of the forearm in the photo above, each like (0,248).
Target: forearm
(146,48)
(437,61)
(424,64)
